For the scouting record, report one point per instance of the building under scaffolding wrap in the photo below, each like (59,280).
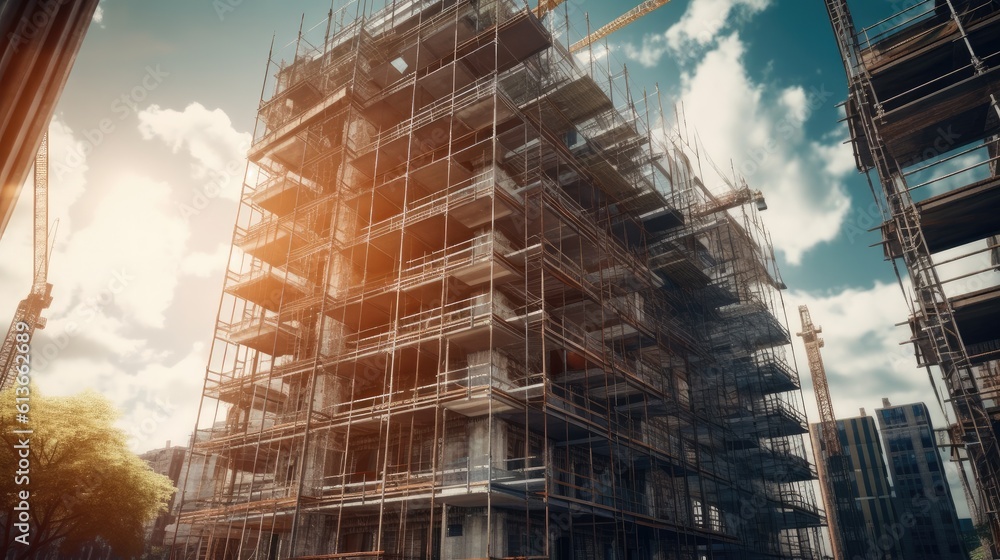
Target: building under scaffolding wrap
(924,117)
(478,308)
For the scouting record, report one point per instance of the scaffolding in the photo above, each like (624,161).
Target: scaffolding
(923,115)
(478,307)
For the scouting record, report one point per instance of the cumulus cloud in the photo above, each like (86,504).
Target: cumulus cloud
(203,264)
(114,271)
(704,20)
(162,400)
(702,24)
(218,149)
(132,248)
(762,129)
(158,400)
(649,53)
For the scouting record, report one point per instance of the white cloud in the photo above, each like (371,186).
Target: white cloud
(838,158)
(704,20)
(162,403)
(66,183)
(593,54)
(762,131)
(203,264)
(219,150)
(702,24)
(131,249)
(114,271)
(99,14)
(159,402)
(647,54)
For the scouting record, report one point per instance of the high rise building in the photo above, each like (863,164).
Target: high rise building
(920,483)
(871,488)
(479,307)
(924,119)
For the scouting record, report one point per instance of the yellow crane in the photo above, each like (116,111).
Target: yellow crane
(546,6)
(28,315)
(619,22)
(847,528)
(828,419)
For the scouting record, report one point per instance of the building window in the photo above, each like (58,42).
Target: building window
(893,416)
(900,444)
(932,461)
(926,440)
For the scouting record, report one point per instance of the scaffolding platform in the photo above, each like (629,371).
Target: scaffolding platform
(282,194)
(977,315)
(269,288)
(266,335)
(288,145)
(954,218)
(273,241)
(927,91)
(265,396)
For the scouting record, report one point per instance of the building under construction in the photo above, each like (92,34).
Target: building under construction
(924,119)
(478,307)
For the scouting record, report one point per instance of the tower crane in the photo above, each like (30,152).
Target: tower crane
(847,528)
(828,419)
(546,6)
(618,23)
(28,315)
(732,199)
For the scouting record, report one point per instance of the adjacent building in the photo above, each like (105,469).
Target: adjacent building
(40,39)
(479,306)
(168,461)
(924,120)
(920,483)
(870,484)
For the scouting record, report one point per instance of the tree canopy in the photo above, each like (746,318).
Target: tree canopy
(84,484)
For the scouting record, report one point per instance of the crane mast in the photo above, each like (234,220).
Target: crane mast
(28,315)
(848,532)
(828,419)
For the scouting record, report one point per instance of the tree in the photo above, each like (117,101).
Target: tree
(83,483)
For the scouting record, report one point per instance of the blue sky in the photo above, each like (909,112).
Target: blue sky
(158,113)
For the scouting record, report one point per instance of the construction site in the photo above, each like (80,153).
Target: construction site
(481,303)
(924,120)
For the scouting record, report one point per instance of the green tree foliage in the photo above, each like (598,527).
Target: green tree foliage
(85,484)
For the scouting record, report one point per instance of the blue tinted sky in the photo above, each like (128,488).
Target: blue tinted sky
(175,87)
